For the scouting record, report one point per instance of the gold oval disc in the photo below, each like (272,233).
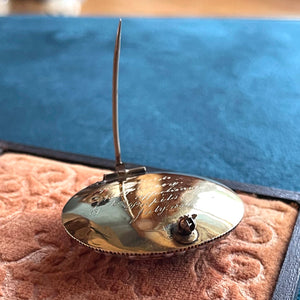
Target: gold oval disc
(141,215)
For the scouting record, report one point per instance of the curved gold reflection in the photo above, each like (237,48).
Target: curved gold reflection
(136,216)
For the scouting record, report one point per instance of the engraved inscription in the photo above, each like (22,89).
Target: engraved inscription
(151,196)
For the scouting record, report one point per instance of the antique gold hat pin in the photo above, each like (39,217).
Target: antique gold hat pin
(141,215)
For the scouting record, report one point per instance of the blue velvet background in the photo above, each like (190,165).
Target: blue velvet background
(218,98)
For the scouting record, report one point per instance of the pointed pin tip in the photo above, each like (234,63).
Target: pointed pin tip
(119,26)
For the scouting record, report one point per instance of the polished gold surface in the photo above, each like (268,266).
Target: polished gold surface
(140,215)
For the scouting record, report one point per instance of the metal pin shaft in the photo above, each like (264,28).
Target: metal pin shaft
(121,173)
(119,164)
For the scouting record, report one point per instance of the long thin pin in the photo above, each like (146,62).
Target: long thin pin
(119,164)
(121,173)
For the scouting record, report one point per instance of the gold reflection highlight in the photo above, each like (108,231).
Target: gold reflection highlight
(138,215)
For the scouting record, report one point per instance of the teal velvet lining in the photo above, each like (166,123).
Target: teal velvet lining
(217,98)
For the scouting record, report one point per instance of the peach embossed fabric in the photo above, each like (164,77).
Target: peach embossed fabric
(38,260)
